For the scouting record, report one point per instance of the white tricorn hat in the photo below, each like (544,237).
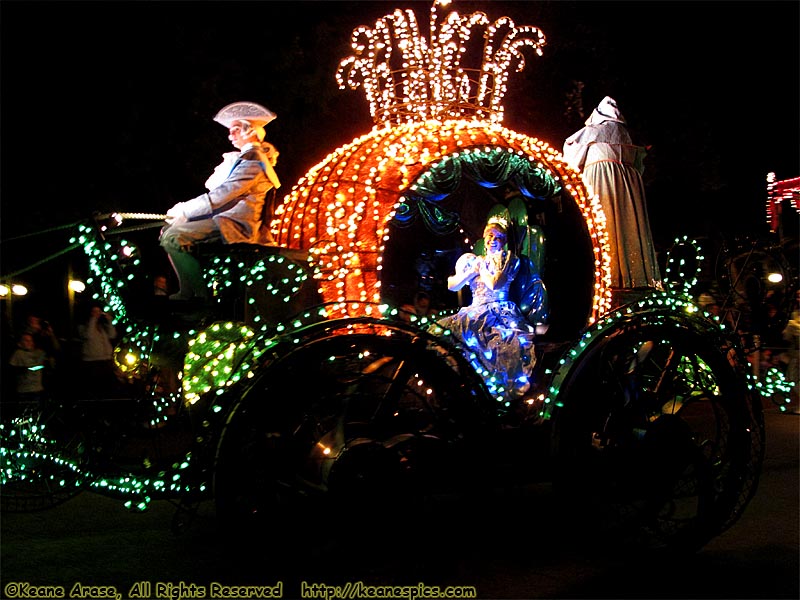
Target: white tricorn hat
(255,114)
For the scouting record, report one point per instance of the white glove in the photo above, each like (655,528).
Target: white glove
(175,215)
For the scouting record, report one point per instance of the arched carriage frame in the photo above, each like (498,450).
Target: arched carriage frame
(342,209)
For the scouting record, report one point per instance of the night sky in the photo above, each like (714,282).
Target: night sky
(108,106)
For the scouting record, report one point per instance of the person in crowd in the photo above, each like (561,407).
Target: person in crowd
(772,325)
(44,336)
(407,311)
(791,334)
(232,208)
(29,364)
(492,327)
(99,372)
(422,305)
(612,166)
(9,343)
(709,304)
(160,286)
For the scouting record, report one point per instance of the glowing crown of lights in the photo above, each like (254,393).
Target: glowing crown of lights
(498,220)
(409,79)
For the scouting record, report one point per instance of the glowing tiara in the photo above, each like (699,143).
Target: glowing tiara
(498,220)
(406,78)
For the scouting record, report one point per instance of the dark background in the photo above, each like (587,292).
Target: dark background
(108,106)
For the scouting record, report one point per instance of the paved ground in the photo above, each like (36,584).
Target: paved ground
(93,540)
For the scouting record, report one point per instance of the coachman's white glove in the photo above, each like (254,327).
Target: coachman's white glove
(176,215)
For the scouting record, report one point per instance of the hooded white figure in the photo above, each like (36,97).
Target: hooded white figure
(232,209)
(612,166)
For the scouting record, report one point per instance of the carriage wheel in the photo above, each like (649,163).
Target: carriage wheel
(660,440)
(41,461)
(350,429)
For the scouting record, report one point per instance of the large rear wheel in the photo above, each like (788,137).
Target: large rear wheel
(660,440)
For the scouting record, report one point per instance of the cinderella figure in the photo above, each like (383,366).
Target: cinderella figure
(492,329)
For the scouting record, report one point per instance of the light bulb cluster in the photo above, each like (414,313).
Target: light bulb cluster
(684,263)
(274,276)
(775,386)
(226,353)
(132,353)
(779,195)
(106,262)
(139,491)
(218,357)
(28,455)
(408,78)
(656,308)
(113,266)
(340,210)
(426,111)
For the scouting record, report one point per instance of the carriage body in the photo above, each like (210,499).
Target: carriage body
(318,390)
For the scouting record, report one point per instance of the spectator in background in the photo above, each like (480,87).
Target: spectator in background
(774,322)
(708,303)
(156,304)
(99,373)
(406,312)
(791,334)
(422,305)
(29,364)
(44,336)
(160,286)
(9,345)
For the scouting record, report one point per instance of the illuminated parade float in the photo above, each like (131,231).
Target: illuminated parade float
(320,388)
